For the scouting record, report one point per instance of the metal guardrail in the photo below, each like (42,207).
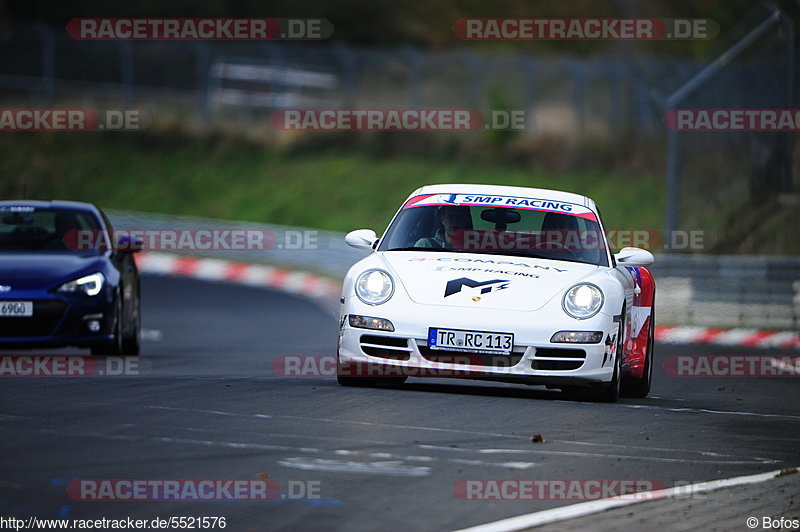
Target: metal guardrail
(698,290)
(327,255)
(728,291)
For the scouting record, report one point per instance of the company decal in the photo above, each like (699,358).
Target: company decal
(455,286)
(486,261)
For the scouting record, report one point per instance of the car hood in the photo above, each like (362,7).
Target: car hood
(26,271)
(494,282)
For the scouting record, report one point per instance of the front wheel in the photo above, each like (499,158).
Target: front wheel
(641,387)
(345,378)
(112,348)
(611,393)
(131,342)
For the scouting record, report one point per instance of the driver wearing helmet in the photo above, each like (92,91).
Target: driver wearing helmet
(454,220)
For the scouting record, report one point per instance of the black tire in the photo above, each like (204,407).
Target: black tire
(112,348)
(131,342)
(363,382)
(346,380)
(392,381)
(572,392)
(611,392)
(641,387)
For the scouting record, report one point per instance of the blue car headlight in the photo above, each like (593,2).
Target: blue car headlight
(89,285)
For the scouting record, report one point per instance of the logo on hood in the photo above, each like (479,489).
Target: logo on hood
(4,288)
(454,286)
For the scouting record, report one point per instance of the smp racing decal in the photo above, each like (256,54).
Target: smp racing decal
(454,286)
(491,200)
(485,270)
(451,199)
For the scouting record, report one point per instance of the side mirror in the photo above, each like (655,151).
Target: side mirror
(129,243)
(361,238)
(634,257)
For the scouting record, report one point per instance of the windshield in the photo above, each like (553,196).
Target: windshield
(30,229)
(499,231)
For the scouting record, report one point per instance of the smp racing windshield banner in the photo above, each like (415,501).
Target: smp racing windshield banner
(512,202)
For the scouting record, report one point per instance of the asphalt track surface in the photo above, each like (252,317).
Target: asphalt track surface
(206,405)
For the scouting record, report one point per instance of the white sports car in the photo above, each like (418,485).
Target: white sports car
(500,283)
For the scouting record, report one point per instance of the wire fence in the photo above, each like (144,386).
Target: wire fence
(740,177)
(214,81)
(714,176)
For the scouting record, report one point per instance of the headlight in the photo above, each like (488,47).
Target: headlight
(368,322)
(374,287)
(577,337)
(583,301)
(89,285)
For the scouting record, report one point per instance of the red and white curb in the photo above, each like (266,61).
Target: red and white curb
(733,337)
(296,282)
(317,286)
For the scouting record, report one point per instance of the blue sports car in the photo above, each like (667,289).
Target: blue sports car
(54,294)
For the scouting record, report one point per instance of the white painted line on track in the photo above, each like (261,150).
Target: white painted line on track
(152,335)
(708,411)
(579,454)
(562,513)
(391,468)
(731,460)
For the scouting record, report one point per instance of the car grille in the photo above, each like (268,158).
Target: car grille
(556,359)
(472,359)
(389,347)
(46,315)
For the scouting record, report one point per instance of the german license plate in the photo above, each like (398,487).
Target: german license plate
(470,341)
(16,308)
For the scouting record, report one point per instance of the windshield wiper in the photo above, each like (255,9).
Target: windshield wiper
(516,254)
(412,248)
(529,255)
(511,253)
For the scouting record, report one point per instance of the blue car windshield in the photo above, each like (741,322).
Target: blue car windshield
(47,230)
